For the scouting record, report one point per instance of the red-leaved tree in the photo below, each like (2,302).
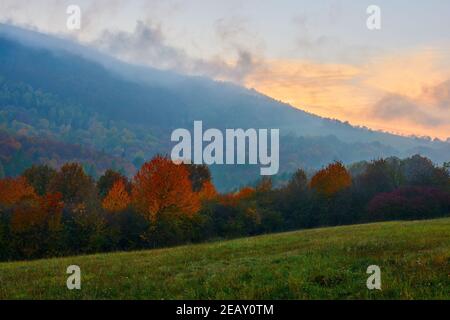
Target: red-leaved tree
(162,186)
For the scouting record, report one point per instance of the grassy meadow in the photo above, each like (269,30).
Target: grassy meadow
(328,263)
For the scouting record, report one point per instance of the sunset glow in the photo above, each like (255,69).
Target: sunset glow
(352,92)
(320,57)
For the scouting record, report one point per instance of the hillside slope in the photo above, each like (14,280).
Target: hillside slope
(19,152)
(145,95)
(414,258)
(51,87)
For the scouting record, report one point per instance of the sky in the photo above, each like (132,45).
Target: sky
(318,56)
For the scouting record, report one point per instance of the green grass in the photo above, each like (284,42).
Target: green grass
(328,263)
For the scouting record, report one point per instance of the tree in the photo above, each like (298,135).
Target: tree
(2,171)
(162,186)
(410,203)
(117,198)
(38,213)
(14,190)
(447,166)
(446,169)
(379,176)
(108,179)
(298,183)
(245,193)
(294,201)
(53,206)
(74,185)
(420,171)
(264,185)
(208,191)
(39,176)
(199,175)
(84,230)
(36,225)
(331,180)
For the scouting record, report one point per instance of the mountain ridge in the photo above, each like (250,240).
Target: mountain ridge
(147,75)
(129,111)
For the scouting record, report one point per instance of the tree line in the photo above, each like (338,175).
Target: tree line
(46,212)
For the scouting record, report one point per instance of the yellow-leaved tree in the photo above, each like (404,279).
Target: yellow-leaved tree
(117,198)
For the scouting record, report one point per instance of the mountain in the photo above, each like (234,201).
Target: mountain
(19,152)
(57,89)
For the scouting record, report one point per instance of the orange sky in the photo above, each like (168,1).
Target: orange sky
(407,81)
(395,79)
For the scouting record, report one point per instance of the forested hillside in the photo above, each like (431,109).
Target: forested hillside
(19,152)
(57,90)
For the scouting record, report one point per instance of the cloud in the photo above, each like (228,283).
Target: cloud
(395,92)
(323,72)
(313,44)
(394,107)
(438,95)
(403,92)
(322,88)
(147,45)
(424,114)
(231,29)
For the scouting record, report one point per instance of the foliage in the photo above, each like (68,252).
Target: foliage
(14,190)
(39,176)
(161,187)
(331,180)
(73,214)
(117,198)
(34,212)
(208,191)
(199,176)
(409,203)
(73,183)
(108,179)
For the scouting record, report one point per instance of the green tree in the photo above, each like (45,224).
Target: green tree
(2,171)
(107,180)
(447,166)
(298,183)
(379,176)
(75,186)
(199,175)
(420,171)
(39,177)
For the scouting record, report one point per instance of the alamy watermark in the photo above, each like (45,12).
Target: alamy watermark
(374,280)
(74,19)
(74,280)
(73,22)
(240,146)
(374,20)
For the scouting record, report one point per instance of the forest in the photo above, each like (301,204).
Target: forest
(48,212)
(106,114)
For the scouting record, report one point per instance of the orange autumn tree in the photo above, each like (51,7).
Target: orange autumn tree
(208,191)
(233,199)
(162,186)
(14,190)
(38,213)
(117,198)
(331,180)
